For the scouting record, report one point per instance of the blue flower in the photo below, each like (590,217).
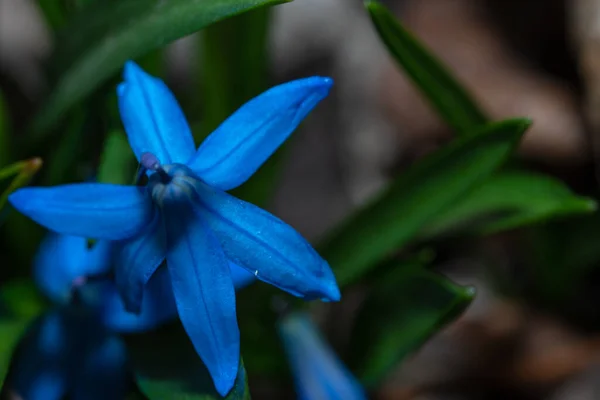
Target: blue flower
(70,350)
(66,352)
(318,373)
(185,215)
(73,349)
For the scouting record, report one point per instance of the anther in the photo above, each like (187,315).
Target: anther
(149,162)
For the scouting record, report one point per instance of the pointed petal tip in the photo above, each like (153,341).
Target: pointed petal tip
(327,81)
(225,381)
(332,292)
(19,199)
(319,83)
(131,71)
(15,198)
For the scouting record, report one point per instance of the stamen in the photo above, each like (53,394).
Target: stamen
(149,162)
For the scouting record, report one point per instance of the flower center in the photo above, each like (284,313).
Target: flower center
(172,184)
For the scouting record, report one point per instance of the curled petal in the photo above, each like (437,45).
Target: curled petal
(204,294)
(318,373)
(152,117)
(266,246)
(92,210)
(136,260)
(241,144)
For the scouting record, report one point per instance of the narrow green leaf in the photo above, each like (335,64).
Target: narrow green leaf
(441,89)
(402,312)
(118,162)
(509,200)
(175,371)
(148,24)
(398,214)
(12,169)
(28,169)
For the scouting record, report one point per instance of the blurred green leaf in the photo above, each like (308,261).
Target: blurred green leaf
(12,169)
(21,299)
(67,151)
(560,269)
(173,370)
(118,161)
(53,12)
(20,303)
(20,233)
(26,170)
(509,200)
(5,142)
(11,331)
(401,313)
(143,25)
(397,215)
(234,65)
(234,70)
(443,91)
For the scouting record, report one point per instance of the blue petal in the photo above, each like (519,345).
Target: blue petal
(237,148)
(204,294)
(63,259)
(240,277)
(92,210)
(263,244)
(104,373)
(59,261)
(318,373)
(99,258)
(136,260)
(152,118)
(158,305)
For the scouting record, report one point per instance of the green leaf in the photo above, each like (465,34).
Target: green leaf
(67,150)
(118,161)
(416,197)
(25,171)
(53,12)
(173,370)
(20,303)
(129,29)
(21,299)
(234,71)
(509,200)
(11,331)
(5,142)
(402,312)
(441,89)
